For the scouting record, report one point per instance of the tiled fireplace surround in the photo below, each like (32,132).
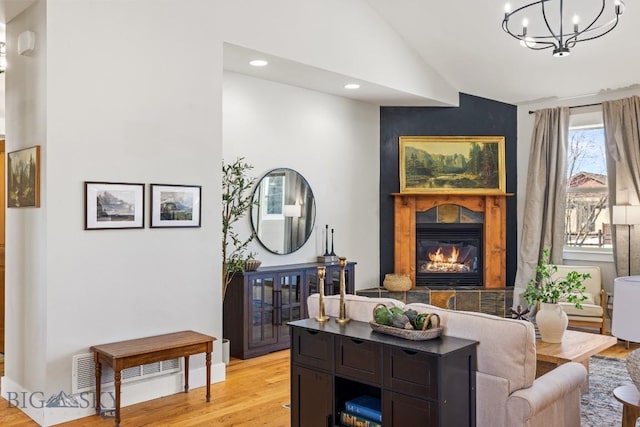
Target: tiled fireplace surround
(491,297)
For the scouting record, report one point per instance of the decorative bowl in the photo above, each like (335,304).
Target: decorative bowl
(252,264)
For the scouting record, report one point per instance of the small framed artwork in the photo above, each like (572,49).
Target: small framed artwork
(452,164)
(175,205)
(111,205)
(23,178)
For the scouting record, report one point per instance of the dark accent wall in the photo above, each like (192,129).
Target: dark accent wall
(474,117)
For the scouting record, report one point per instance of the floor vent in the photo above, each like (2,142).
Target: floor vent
(84,375)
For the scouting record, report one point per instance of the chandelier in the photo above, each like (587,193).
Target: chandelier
(551,30)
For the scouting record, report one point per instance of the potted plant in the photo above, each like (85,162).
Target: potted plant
(236,202)
(548,290)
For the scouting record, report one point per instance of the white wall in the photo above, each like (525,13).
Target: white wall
(26,242)
(525,131)
(131,91)
(124,92)
(344,37)
(332,141)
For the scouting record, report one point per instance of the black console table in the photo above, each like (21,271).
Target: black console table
(420,383)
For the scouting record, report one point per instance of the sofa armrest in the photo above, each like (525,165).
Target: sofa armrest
(553,399)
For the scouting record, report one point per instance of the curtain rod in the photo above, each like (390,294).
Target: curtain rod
(577,106)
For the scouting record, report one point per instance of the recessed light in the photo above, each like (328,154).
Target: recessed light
(258,62)
(352,86)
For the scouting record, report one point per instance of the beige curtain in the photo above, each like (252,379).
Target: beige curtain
(543,223)
(622,135)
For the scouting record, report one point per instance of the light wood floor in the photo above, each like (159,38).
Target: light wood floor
(252,395)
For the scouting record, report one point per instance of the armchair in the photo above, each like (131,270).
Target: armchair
(593,310)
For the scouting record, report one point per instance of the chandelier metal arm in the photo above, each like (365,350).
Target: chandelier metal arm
(613,23)
(544,16)
(546,44)
(561,41)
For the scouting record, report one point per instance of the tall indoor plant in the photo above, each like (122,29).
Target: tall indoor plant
(236,202)
(549,290)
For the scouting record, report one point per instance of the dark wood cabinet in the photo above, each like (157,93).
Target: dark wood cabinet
(311,412)
(259,304)
(419,383)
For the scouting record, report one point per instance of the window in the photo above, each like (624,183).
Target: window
(587,222)
(273,197)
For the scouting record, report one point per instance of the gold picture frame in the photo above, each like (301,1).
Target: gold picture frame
(23,178)
(452,164)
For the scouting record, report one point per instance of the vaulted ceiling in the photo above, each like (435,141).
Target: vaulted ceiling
(463,41)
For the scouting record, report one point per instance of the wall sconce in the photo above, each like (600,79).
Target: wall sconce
(26,42)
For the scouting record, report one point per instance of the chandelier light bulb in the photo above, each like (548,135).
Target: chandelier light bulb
(525,23)
(507,7)
(617,4)
(576,19)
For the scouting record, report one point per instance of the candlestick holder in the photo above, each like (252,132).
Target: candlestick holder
(322,317)
(328,258)
(343,309)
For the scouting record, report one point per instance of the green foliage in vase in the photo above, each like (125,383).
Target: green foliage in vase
(546,288)
(236,202)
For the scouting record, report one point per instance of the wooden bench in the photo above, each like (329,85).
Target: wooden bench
(125,354)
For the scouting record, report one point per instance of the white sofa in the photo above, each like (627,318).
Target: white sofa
(592,313)
(507,392)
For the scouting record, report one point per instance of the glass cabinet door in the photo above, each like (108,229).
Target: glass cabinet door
(290,302)
(332,280)
(262,329)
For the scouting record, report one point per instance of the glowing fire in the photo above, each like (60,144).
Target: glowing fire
(439,258)
(439,262)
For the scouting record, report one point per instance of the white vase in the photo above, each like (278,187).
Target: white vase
(552,321)
(225,351)
(633,366)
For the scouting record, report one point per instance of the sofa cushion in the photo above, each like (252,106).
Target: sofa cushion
(507,347)
(358,307)
(588,310)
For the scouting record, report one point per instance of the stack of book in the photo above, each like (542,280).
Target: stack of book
(363,411)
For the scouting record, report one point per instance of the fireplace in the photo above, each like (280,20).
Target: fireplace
(449,255)
(470,223)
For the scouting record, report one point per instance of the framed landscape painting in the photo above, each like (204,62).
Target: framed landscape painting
(175,205)
(110,205)
(452,164)
(23,178)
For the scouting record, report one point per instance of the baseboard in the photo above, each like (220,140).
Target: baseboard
(17,396)
(82,405)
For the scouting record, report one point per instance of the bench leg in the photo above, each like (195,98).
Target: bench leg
(118,378)
(208,363)
(186,374)
(98,368)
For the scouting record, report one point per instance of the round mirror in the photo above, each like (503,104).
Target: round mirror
(284,211)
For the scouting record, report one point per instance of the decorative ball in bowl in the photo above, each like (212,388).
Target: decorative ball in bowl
(397,282)
(252,264)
